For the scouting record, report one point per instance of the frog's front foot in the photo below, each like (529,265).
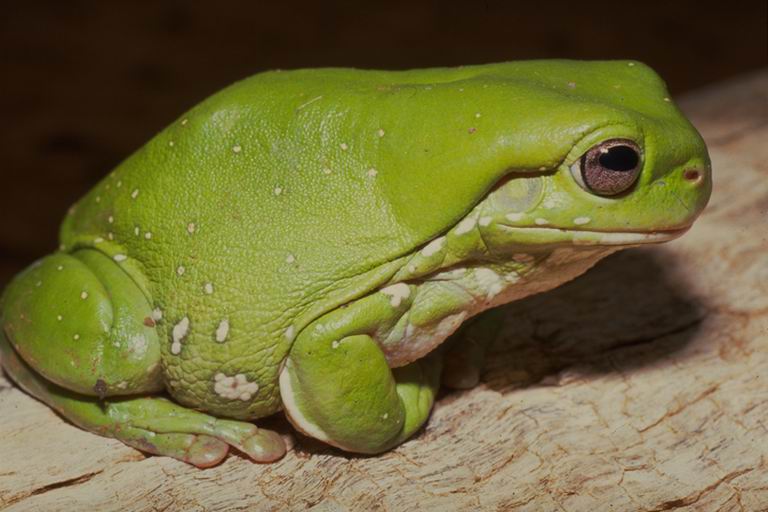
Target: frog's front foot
(342,392)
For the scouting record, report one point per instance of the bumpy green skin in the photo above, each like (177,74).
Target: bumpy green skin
(225,248)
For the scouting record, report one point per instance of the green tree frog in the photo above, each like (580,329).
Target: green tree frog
(305,241)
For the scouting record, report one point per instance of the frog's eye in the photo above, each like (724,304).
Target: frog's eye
(608,168)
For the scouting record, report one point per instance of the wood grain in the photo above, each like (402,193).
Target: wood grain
(642,385)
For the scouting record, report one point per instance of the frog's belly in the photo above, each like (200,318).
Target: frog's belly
(445,300)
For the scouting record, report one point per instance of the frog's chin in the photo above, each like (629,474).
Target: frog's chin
(601,238)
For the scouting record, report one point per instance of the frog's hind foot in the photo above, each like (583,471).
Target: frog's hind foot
(155,425)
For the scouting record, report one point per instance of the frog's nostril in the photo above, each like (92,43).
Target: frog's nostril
(692,175)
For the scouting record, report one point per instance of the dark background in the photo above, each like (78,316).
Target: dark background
(84,83)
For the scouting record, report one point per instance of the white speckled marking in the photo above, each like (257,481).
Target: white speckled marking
(180,270)
(289,333)
(119,183)
(208,288)
(179,332)
(631,64)
(485,221)
(157,314)
(515,217)
(170,143)
(580,221)
(396,292)
(335,344)
(372,172)
(549,204)
(60,267)
(135,193)
(98,240)
(234,388)
(237,148)
(327,170)
(136,231)
(290,258)
(490,281)
(477,115)
(465,226)
(222,331)
(76,337)
(433,247)
(667,100)
(381,132)
(278,191)
(59,318)
(83,295)
(191,228)
(111,236)
(184,121)
(120,257)
(541,222)
(110,219)
(98,199)
(344,146)
(148,235)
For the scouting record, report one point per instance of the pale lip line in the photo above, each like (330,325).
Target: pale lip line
(586,237)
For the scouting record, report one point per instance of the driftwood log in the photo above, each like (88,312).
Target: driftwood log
(642,385)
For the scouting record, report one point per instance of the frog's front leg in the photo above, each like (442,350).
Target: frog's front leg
(78,333)
(337,386)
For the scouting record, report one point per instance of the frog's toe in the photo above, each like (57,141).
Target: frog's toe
(264,446)
(202,451)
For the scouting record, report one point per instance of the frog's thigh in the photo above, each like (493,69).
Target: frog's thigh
(154,425)
(464,353)
(81,322)
(342,392)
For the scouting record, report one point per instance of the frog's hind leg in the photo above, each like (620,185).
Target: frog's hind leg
(77,333)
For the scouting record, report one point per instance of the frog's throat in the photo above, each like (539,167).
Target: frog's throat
(609,238)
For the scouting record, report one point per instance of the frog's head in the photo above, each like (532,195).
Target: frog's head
(563,153)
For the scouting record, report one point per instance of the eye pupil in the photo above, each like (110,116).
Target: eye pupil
(619,158)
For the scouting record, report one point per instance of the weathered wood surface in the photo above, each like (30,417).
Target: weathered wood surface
(642,385)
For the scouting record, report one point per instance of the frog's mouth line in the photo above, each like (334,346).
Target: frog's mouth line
(586,237)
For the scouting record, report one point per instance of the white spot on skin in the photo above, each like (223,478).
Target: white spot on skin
(120,257)
(396,292)
(184,121)
(98,199)
(372,172)
(344,146)
(60,267)
(208,288)
(234,388)
(111,236)
(122,384)
(327,171)
(236,148)
(222,331)
(465,226)
(139,345)
(110,219)
(541,222)
(170,143)
(477,115)
(59,318)
(289,333)
(278,191)
(490,281)
(191,228)
(98,240)
(485,221)
(179,332)
(119,184)
(39,284)
(157,314)
(180,270)
(290,258)
(148,235)
(667,100)
(631,64)
(136,231)
(411,268)
(335,344)
(84,295)
(433,247)
(515,217)
(135,194)
(381,132)
(76,337)
(580,221)
(549,204)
